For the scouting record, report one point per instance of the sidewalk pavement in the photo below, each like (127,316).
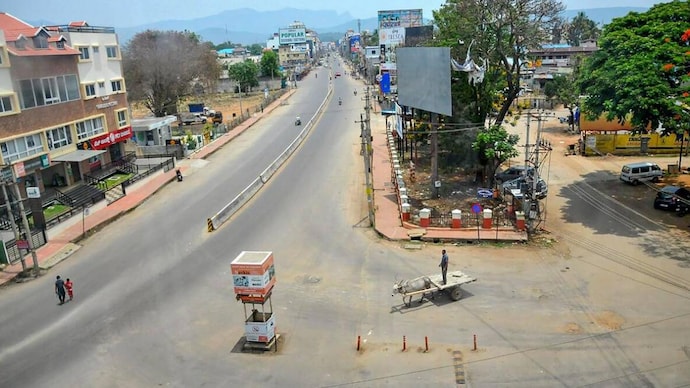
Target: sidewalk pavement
(63,238)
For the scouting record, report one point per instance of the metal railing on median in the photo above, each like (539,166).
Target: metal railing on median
(214,222)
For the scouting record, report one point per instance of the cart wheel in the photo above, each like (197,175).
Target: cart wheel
(456,293)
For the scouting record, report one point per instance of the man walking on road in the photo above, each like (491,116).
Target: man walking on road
(60,289)
(444,265)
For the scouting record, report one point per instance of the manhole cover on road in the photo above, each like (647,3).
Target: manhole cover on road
(309,279)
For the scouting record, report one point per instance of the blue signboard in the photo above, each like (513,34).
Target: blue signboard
(385,83)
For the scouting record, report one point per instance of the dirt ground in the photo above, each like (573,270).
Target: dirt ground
(227,103)
(460,187)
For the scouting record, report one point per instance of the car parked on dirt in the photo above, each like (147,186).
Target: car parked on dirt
(673,198)
(512,173)
(517,187)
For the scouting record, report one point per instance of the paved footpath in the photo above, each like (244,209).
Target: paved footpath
(63,238)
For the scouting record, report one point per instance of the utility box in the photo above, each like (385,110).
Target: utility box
(260,326)
(253,273)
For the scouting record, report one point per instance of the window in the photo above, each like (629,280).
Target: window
(20,43)
(60,44)
(95,49)
(45,91)
(116,85)
(101,84)
(50,93)
(59,137)
(84,54)
(90,90)
(21,148)
(40,42)
(89,128)
(111,51)
(121,118)
(5,104)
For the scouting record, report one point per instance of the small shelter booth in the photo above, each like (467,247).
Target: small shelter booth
(152,131)
(253,276)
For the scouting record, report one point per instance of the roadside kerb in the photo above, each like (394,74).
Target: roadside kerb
(218,219)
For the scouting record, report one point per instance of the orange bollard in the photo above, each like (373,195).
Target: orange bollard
(475,343)
(404,343)
(359,341)
(426,343)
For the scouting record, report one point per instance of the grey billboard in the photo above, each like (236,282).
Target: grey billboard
(424,78)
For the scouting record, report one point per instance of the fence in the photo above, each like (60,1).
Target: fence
(500,217)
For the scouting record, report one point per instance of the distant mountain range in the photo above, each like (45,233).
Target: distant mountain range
(248,26)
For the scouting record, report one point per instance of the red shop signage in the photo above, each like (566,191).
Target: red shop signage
(107,139)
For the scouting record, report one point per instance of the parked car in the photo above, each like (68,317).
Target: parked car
(512,173)
(337,74)
(517,187)
(635,173)
(673,198)
(192,118)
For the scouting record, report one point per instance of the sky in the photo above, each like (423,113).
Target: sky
(129,13)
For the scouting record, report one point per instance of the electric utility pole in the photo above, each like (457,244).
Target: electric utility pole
(367,149)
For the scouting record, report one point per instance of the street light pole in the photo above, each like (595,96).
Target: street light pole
(239,88)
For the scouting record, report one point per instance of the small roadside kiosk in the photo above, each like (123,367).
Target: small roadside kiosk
(253,276)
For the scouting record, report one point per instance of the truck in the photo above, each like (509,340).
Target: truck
(199,108)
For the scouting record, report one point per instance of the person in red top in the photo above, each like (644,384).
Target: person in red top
(68,287)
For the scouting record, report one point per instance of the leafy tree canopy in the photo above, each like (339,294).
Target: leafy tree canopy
(640,71)
(162,66)
(504,32)
(270,64)
(255,49)
(581,28)
(245,73)
(495,146)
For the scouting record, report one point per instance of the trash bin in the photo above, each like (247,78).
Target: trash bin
(673,169)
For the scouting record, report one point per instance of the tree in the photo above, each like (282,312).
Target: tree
(494,147)
(245,73)
(162,66)
(640,72)
(255,49)
(504,32)
(582,28)
(563,90)
(270,64)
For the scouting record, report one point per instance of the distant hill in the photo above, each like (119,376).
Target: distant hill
(248,26)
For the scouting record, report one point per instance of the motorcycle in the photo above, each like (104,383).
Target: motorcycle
(298,121)
(355,92)
(340,102)
(178,173)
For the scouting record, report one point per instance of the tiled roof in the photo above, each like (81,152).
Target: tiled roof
(16,29)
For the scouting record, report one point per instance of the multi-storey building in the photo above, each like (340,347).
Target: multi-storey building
(63,102)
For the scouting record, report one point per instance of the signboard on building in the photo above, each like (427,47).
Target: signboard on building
(372,52)
(355,43)
(292,35)
(392,36)
(400,18)
(106,140)
(299,48)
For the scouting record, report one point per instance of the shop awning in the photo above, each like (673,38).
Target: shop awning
(78,156)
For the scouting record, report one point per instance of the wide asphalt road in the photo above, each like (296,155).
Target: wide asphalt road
(154,303)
